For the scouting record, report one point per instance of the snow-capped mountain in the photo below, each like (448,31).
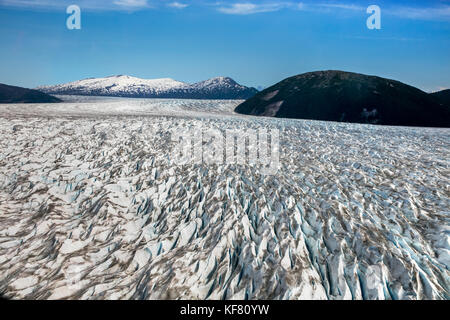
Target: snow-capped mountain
(127,86)
(221,87)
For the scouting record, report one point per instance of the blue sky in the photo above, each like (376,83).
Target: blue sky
(258,43)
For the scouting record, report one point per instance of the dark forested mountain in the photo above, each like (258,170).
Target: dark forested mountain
(442,97)
(12,94)
(348,97)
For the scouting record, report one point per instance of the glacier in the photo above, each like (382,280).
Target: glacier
(91,207)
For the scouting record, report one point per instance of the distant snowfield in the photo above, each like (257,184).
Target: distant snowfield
(91,207)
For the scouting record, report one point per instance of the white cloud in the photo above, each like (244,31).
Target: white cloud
(84,4)
(251,8)
(132,3)
(30,3)
(178,5)
(246,7)
(344,6)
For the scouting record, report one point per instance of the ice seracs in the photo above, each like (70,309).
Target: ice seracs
(91,207)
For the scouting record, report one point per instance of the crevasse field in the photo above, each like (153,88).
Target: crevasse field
(91,207)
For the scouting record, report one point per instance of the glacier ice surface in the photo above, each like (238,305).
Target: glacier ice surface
(354,211)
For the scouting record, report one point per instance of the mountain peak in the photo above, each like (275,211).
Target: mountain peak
(223,79)
(219,80)
(128,77)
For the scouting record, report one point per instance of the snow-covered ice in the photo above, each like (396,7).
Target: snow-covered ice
(354,211)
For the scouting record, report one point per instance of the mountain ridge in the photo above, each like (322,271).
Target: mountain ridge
(128,86)
(14,94)
(442,97)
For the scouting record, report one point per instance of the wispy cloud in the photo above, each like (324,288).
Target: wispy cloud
(424,12)
(177,5)
(84,4)
(435,11)
(252,8)
(344,6)
(440,12)
(246,8)
(132,3)
(249,8)
(30,3)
